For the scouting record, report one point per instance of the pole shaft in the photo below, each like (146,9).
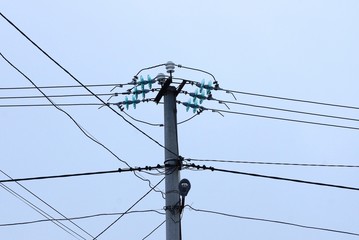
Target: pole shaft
(171,162)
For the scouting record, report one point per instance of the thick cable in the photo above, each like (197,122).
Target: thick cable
(270,177)
(120,170)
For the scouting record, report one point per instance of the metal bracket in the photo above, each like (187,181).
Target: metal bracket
(164,88)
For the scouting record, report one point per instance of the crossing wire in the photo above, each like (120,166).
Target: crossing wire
(133,205)
(47,204)
(43,213)
(84,86)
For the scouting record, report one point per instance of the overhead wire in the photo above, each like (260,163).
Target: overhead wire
(79,217)
(133,205)
(292,99)
(198,167)
(83,130)
(47,204)
(273,163)
(49,105)
(273,221)
(120,170)
(148,68)
(60,96)
(43,213)
(154,230)
(79,82)
(274,97)
(281,118)
(287,110)
(62,86)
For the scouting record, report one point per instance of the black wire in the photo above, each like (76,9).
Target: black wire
(144,122)
(287,110)
(273,221)
(61,96)
(43,213)
(154,230)
(273,163)
(188,119)
(148,68)
(79,126)
(292,99)
(79,82)
(78,218)
(270,177)
(66,113)
(61,86)
(155,124)
(43,201)
(282,119)
(129,208)
(198,70)
(50,105)
(120,170)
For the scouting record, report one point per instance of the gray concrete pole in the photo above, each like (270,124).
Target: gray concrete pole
(171,162)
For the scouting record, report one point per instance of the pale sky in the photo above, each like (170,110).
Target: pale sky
(296,49)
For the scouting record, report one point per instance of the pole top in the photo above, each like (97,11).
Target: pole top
(170,67)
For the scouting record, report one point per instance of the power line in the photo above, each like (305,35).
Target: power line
(43,213)
(217,88)
(273,221)
(63,86)
(79,217)
(60,96)
(120,170)
(43,201)
(84,131)
(273,163)
(287,110)
(269,177)
(79,82)
(154,230)
(291,99)
(133,205)
(282,119)
(148,68)
(50,105)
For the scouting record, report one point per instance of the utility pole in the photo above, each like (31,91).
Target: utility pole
(172,161)
(172,166)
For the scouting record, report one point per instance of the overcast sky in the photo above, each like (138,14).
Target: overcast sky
(294,49)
